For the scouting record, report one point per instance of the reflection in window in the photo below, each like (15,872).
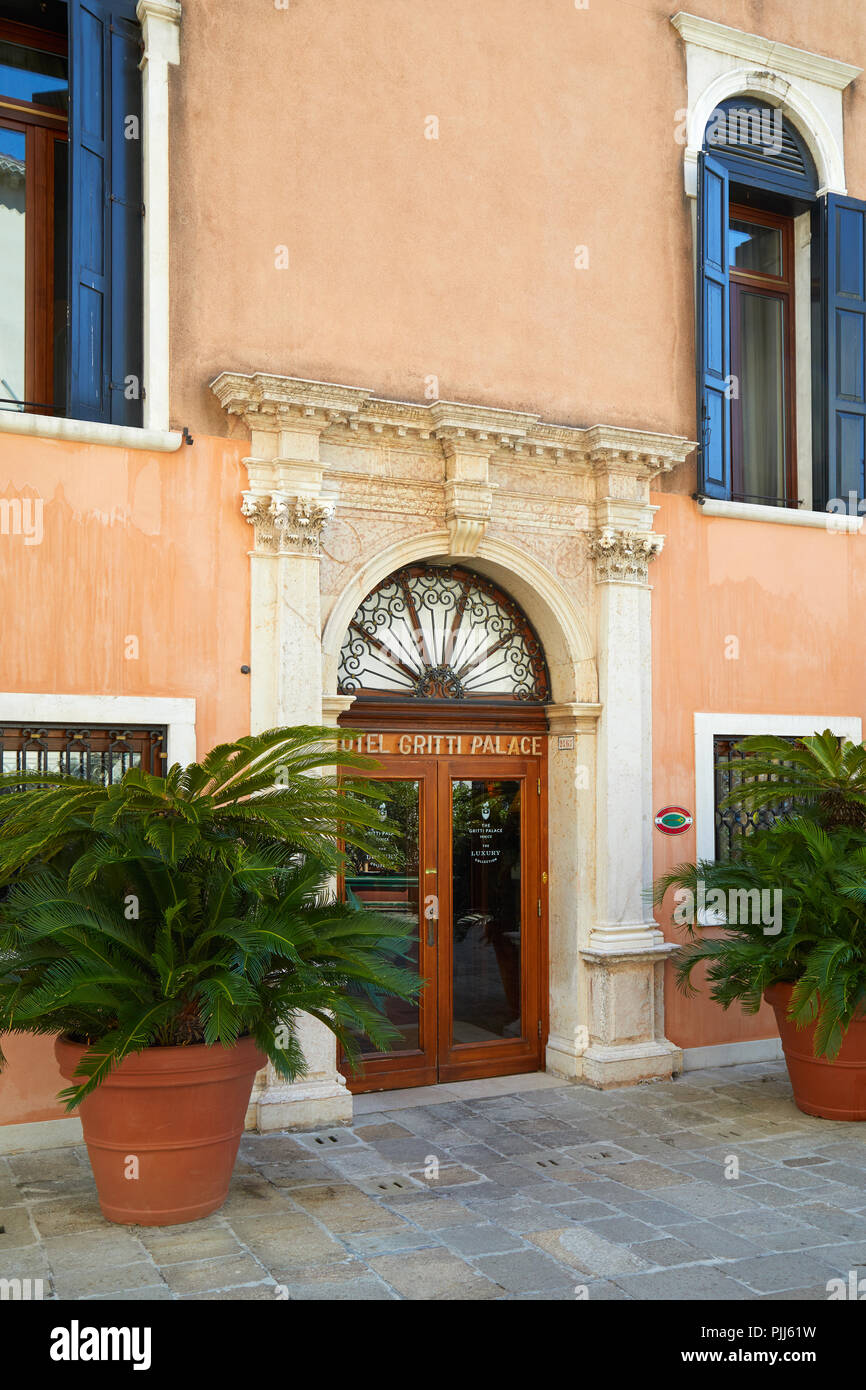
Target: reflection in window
(393,889)
(485,819)
(762,338)
(93,754)
(734,823)
(29,74)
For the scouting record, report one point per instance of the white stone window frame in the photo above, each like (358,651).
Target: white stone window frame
(711,726)
(721,63)
(160,28)
(175,715)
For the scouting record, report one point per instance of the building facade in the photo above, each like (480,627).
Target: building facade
(487,381)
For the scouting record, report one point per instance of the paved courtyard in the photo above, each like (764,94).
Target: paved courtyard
(520,1188)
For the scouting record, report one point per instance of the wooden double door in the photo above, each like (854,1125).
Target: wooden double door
(470,885)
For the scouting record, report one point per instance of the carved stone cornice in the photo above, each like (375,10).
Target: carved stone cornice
(573,718)
(461,423)
(273,403)
(764,53)
(623,557)
(283,402)
(286,525)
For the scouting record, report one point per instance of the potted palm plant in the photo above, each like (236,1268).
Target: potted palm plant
(169,930)
(785,919)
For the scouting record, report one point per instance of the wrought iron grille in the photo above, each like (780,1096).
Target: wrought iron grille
(95,754)
(442,633)
(734,823)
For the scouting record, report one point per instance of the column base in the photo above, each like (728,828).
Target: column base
(306,1104)
(609,1065)
(564,1055)
(626,1008)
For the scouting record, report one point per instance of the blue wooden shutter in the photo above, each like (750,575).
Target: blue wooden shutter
(845,345)
(105,316)
(714,331)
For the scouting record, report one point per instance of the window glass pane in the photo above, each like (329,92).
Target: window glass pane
(28,74)
(440,633)
(485,819)
(734,823)
(755,248)
(393,889)
(96,754)
(13,187)
(762,394)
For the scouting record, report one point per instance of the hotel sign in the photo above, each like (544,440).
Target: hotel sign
(417,745)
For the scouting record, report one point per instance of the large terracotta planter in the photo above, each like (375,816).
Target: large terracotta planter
(180,1112)
(834,1090)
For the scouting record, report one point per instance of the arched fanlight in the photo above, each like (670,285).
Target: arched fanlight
(431,632)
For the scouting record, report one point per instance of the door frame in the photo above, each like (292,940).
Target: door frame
(372,718)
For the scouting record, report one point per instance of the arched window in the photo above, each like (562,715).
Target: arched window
(759,146)
(781,318)
(442,633)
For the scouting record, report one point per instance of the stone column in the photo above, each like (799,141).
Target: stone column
(571,842)
(287,507)
(626,950)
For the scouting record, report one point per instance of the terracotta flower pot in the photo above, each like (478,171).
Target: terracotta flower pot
(178,1111)
(834,1090)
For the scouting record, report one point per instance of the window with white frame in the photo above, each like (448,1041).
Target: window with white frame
(97,753)
(95,736)
(716,735)
(781,273)
(71,209)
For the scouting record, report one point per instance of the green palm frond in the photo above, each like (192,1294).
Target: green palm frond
(196,907)
(822,772)
(819,873)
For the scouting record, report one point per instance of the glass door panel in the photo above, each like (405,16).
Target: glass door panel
(467,881)
(395,891)
(486,916)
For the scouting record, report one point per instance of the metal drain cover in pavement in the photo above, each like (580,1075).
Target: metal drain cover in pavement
(378,1187)
(547,1160)
(328,1139)
(599,1153)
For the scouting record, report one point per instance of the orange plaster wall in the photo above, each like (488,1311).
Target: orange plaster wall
(150,545)
(408,258)
(792,597)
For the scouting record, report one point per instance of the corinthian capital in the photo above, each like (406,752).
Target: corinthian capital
(623,557)
(286,525)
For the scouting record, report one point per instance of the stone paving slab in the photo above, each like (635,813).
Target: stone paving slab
(520,1188)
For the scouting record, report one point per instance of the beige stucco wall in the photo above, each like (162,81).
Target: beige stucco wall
(454,258)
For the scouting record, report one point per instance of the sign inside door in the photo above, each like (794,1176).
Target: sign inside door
(452,745)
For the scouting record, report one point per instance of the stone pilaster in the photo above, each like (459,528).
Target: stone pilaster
(288,506)
(626,950)
(572,779)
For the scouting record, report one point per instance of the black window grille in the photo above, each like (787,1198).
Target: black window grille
(99,753)
(734,823)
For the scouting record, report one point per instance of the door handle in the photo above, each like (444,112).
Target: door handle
(431,915)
